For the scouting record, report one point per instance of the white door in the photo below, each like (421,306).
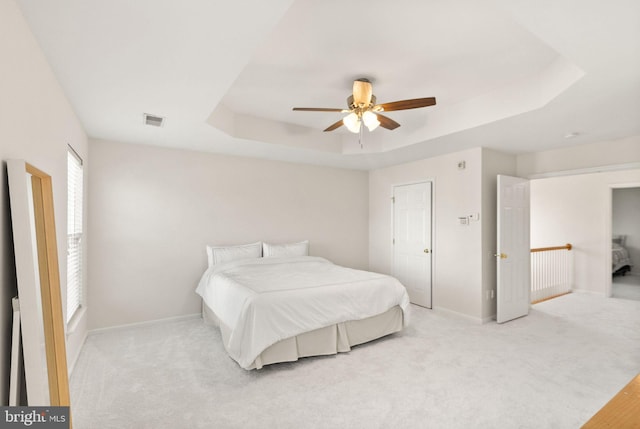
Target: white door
(513,255)
(412,240)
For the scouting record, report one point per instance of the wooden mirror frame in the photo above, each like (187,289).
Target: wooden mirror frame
(38,276)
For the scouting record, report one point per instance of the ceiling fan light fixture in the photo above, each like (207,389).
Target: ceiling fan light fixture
(363,108)
(370,119)
(352,122)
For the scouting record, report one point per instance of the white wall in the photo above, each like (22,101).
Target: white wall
(456,249)
(153,210)
(606,153)
(36,124)
(577,210)
(626,221)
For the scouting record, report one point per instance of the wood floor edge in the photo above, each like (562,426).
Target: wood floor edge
(550,297)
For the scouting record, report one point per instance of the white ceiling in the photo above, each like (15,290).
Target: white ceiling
(513,75)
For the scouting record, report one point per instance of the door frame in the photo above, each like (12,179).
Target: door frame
(433,227)
(608,281)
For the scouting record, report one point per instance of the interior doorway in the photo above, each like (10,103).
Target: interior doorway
(625,242)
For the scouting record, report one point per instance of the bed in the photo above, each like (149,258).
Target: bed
(288,305)
(620,261)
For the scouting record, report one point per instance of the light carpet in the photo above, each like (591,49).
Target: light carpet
(552,369)
(627,287)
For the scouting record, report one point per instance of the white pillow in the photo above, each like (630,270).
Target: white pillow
(280,250)
(220,254)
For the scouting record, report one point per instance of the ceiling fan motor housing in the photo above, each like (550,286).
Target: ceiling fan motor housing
(362,93)
(353,106)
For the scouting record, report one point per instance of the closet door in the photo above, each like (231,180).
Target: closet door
(412,240)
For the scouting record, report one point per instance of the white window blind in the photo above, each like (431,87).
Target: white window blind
(74,233)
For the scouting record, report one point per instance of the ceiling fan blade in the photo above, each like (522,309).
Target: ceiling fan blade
(406,104)
(334,126)
(386,122)
(317,109)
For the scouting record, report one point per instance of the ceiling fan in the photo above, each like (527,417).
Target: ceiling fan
(363,109)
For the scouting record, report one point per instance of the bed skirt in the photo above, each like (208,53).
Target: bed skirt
(324,341)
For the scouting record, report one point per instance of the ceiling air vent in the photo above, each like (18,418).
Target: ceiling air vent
(153,120)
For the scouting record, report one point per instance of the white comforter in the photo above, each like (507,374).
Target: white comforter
(267,300)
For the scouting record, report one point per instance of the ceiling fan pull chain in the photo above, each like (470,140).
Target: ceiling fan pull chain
(360,136)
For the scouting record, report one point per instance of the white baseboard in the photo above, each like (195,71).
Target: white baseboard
(473,319)
(488,319)
(146,323)
(74,359)
(589,292)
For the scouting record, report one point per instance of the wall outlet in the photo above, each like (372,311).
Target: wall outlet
(493,293)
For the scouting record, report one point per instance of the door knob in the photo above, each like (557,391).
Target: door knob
(501,255)
(426,250)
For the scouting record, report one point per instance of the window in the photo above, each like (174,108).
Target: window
(74,233)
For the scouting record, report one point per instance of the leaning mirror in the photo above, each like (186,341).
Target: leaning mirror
(38,278)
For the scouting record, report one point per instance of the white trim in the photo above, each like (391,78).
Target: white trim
(72,325)
(625,185)
(476,320)
(14,371)
(488,319)
(589,292)
(608,281)
(588,170)
(606,245)
(147,323)
(74,359)
(74,153)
